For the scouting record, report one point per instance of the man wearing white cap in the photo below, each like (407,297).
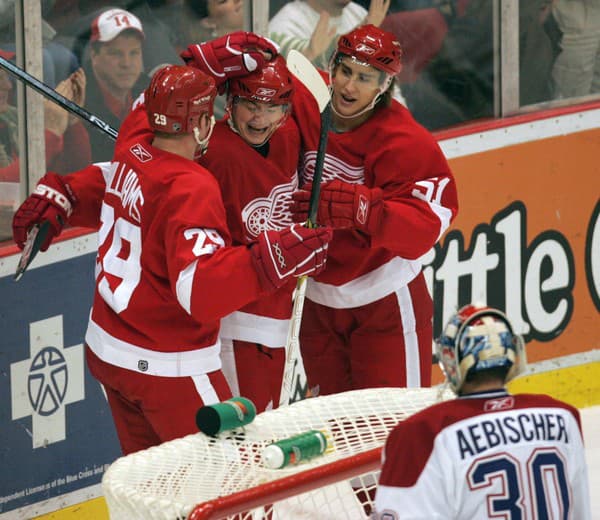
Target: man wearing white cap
(114,72)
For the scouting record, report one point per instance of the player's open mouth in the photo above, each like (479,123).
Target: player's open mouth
(345,101)
(254,130)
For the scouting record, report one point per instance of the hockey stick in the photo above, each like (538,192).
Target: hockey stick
(51,94)
(305,72)
(35,238)
(37,233)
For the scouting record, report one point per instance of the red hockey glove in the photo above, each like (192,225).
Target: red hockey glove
(52,200)
(232,55)
(342,205)
(293,251)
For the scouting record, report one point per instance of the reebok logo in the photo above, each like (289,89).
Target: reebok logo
(140,152)
(504,403)
(265,92)
(361,47)
(362,212)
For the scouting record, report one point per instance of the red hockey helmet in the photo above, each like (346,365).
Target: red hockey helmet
(375,47)
(177,96)
(272,84)
(478,338)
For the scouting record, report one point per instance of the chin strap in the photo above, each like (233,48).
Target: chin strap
(203,143)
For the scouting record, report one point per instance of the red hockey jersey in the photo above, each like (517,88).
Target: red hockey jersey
(486,455)
(256,191)
(164,273)
(392,152)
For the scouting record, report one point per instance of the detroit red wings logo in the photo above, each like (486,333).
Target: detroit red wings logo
(271,212)
(333,168)
(503,403)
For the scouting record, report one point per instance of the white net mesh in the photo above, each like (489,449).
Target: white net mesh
(168,481)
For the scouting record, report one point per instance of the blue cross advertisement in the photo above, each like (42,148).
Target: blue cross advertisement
(57,433)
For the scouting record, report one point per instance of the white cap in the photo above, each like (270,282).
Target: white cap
(273,457)
(111,23)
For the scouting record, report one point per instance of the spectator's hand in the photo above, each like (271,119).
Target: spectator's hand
(78,83)
(377,12)
(5,158)
(291,252)
(321,37)
(52,200)
(232,55)
(56,118)
(341,205)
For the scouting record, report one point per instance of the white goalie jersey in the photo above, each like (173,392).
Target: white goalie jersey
(486,455)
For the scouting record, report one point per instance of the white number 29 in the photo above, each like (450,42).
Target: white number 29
(113,263)
(160,119)
(207,241)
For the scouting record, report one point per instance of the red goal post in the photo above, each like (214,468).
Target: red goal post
(201,477)
(292,485)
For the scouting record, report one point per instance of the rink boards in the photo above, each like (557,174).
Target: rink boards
(527,239)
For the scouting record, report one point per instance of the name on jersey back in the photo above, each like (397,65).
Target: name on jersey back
(507,429)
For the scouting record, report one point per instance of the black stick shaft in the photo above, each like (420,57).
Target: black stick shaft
(315,193)
(51,94)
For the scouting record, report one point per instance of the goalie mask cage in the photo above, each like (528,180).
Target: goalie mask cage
(201,477)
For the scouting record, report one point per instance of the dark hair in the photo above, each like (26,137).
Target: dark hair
(491,374)
(386,98)
(197,7)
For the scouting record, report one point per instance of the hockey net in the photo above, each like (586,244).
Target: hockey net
(200,477)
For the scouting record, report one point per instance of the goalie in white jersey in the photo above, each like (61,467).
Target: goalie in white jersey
(486,454)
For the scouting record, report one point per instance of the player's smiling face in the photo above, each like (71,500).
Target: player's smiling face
(354,86)
(256,121)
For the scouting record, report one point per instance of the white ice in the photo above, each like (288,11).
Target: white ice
(590,418)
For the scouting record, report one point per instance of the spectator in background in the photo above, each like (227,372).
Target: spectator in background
(58,62)
(455,81)
(576,71)
(324,20)
(66,139)
(487,453)
(207,19)
(73,20)
(114,73)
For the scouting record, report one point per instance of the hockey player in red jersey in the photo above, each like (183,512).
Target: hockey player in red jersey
(253,154)
(389,193)
(486,454)
(166,272)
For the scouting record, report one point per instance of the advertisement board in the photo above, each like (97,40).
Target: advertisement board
(527,240)
(55,424)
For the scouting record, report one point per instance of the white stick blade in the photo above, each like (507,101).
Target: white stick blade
(301,67)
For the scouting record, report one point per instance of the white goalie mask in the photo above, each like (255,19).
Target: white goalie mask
(476,339)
